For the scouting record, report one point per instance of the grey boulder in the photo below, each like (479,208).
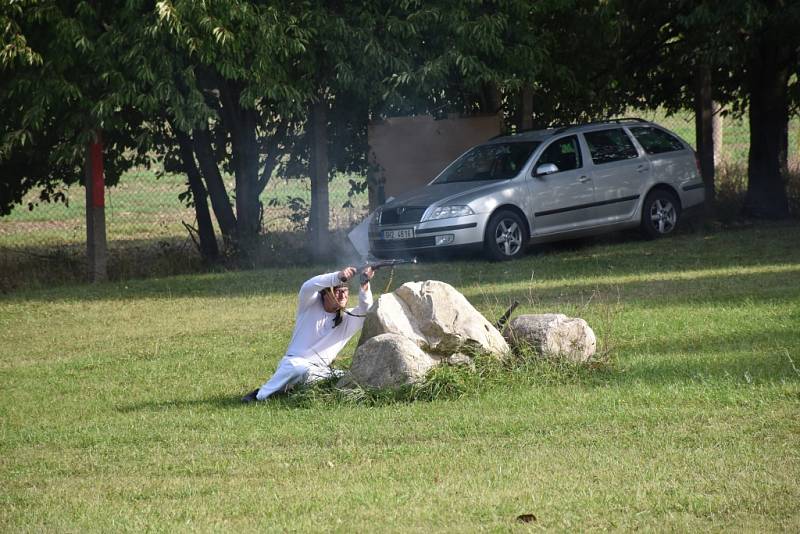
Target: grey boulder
(388,361)
(435,317)
(553,335)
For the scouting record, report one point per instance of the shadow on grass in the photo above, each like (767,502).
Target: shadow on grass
(765,366)
(672,288)
(218,402)
(720,369)
(616,255)
(753,338)
(741,371)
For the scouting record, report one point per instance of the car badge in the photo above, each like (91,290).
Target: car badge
(400,211)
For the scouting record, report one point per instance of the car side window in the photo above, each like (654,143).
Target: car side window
(611,145)
(563,153)
(655,141)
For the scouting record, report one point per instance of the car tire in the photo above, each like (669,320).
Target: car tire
(506,236)
(661,213)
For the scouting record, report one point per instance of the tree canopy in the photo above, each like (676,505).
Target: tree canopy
(58,86)
(229,86)
(751,48)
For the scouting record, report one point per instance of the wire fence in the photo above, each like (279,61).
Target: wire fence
(146,209)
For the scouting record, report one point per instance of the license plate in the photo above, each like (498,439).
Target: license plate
(401,233)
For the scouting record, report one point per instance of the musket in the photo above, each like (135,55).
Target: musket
(502,320)
(379,264)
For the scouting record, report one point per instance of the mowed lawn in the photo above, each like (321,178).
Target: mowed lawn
(120,403)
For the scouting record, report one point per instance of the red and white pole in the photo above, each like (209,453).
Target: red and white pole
(96,249)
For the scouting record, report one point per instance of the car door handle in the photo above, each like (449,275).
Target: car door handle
(641,168)
(583,179)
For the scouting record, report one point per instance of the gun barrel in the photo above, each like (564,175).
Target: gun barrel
(387,263)
(377,264)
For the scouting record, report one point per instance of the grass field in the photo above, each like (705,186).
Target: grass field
(120,409)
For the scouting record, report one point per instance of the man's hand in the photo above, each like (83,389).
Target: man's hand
(347,273)
(366,276)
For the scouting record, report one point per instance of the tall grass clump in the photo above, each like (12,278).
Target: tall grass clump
(523,367)
(326,393)
(793,187)
(453,381)
(731,189)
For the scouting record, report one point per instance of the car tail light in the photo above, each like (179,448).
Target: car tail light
(697,163)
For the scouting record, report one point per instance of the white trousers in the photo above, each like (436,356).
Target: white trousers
(293,371)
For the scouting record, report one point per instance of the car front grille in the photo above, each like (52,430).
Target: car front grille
(401,215)
(401,244)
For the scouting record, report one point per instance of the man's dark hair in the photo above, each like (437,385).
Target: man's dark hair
(338,319)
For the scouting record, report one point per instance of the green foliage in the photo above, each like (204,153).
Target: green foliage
(298,210)
(476,56)
(665,42)
(246,73)
(59,85)
(746,53)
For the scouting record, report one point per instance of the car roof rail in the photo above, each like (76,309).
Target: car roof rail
(633,119)
(604,121)
(518,132)
(563,128)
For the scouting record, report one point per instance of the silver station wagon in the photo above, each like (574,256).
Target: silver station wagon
(546,185)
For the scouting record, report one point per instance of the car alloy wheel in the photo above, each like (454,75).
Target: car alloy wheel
(505,236)
(663,216)
(660,214)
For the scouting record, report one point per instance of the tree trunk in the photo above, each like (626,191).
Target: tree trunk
(717,128)
(248,204)
(783,154)
(241,123)
(214,184)
(272,153)
(205,228)
(375,181)
(525,109)
(490,98)
(704,132)
(96,245)
(769,117)
(318,225)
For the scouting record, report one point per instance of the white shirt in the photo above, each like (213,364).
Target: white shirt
(314,338)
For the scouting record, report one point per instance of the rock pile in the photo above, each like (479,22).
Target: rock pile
(418,326)
(424,324)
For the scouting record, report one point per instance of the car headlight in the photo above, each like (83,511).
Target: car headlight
(445,212)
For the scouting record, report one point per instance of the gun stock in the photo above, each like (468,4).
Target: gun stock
(501,322)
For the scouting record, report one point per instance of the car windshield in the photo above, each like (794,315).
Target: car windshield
(498,161)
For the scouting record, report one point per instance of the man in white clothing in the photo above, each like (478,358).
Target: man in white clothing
(322,327)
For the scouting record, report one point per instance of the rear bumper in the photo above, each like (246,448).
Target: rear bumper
(692,195)
(693,200)
(694,212)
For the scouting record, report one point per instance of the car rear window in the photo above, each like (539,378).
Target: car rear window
(655,141)
(497,161)
(611,145)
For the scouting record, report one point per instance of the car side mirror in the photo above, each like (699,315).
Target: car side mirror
(546,168)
